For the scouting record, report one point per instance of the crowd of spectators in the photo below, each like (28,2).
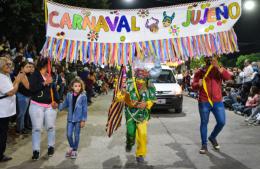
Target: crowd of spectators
(20,80)
(241,94)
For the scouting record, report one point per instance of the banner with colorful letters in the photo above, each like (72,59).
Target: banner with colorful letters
(172,33)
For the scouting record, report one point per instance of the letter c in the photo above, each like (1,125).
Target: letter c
(51,15)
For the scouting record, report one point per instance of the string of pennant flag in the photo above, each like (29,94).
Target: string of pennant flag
(167,50)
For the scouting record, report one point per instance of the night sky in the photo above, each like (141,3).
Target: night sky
(247,28)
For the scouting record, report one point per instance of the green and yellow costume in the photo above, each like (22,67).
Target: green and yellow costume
(136,118)
(137,94)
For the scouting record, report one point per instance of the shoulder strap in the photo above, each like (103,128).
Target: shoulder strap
(136,90)
(205,84)
(2,97)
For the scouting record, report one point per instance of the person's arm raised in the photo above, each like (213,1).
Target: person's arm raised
(226,75)
(15,85)
(25,82)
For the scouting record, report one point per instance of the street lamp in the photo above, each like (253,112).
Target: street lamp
(129,1)
(249,5)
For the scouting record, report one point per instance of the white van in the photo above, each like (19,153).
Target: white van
(168,91)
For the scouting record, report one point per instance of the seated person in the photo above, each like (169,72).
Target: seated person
(252,101)
(238,107)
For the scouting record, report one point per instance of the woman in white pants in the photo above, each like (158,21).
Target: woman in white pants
(42,109)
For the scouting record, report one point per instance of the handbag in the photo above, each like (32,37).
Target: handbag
(2,97)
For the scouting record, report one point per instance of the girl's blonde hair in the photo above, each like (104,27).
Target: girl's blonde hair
(77,80)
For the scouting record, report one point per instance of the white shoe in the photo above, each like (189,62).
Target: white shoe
(68,153)
(247,119)
(74,154)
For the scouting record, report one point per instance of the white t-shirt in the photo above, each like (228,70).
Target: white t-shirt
(247,74)
(8,104)
(179,77)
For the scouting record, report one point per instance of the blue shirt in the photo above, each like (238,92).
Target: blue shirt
(79,113)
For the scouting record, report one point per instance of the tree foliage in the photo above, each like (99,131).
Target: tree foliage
(228,61)
(23,20)
(196,63)
(199,62)
(254,57)
(100,4)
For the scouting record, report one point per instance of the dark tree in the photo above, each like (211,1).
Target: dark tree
(23,20)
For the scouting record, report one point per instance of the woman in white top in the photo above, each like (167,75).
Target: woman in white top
(7,102)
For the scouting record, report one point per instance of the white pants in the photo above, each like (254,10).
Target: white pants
(42,116)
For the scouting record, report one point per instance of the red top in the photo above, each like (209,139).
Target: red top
(253,101)
(213,81)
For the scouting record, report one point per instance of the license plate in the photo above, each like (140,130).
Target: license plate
(161,101)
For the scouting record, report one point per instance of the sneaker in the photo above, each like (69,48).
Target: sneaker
(50,151)
(68,153)
(257,123)
(25,131)
(251,122)
(214,143)
(74,154)
(5,159)
(28,128)
(204,149)
(238,112)
(140,160)
(36,155)
(247,119)
(128,148)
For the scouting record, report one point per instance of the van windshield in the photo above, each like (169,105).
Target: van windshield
(166,76)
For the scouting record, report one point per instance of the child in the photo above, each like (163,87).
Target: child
(104,88)
(76,102)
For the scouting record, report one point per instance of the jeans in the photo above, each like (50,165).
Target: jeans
(73,134)
(3,135)
(193,94)
(238,107)
(218,111)
(255,111)
(23,103)
(89,95)
(42,116)
(27,119)
(61,91)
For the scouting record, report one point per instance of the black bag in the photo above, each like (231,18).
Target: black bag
(256,80)
(2,97)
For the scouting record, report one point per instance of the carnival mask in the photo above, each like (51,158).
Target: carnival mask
(207,61)
(144,70)
(167,20)
(141,73)
(140,83)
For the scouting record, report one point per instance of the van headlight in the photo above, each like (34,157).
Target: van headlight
(178,91)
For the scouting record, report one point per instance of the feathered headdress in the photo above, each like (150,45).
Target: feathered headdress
(147,69)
